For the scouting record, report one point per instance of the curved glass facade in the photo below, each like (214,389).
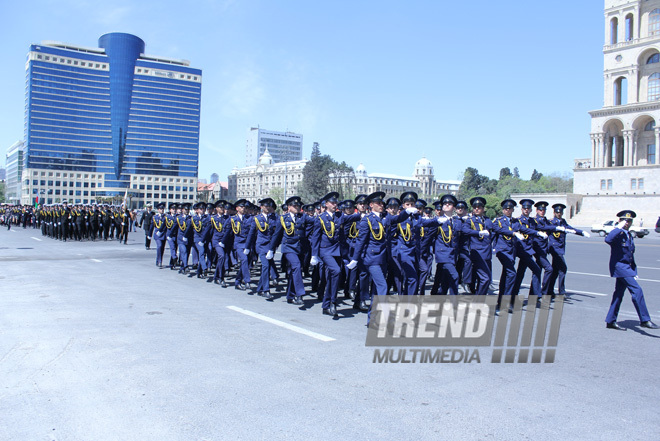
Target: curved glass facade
(112,111)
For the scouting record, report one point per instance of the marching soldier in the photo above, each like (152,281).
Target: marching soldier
(200,224)
(259,239)
(184,236)
(525,253)
(290,232)
(239,229)
(624,269)
(504,228)
(478,228)
(446,247)
(159,231)
(218,232)
(557,242)
(464,264)
(540,244)
(326,248)
(171,234)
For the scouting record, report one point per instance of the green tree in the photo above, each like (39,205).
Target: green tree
(505,173)
(516,173)
(277,194)
(472,183)
(536,176)
(2,192)
(322,174)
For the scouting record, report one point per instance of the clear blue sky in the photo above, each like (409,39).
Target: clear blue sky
(489,85)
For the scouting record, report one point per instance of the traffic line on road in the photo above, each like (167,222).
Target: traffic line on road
(605,275)
(96,260)
(282,324)
(648,267)
(36,238)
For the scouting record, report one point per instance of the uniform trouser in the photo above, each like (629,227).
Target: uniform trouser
(123,234)
(378,279)
(543,262)
(199,255)
(295,286)
(184,251)
(363,283)
(394,274)
(220,263)
(268,271)
(332,268)
(446,277)
(106,230)
(147,238)
(425,264)
(483,272)
(637,298)
(464,267)
(320,272)
(171,242)
(351,278)
(160,249)
(243,273)
(526,261)
(508,276)
(558,276)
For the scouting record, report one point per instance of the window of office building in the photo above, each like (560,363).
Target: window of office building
(640,184)
(609,184)
(633,184)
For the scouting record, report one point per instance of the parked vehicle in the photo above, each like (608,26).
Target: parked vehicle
(657,225)
(604,228)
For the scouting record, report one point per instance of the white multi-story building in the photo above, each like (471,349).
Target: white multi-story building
(267,179)
(623,170)
(14,164)
(422,182)
(282,146)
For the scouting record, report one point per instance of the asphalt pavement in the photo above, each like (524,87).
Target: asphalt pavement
(97,343)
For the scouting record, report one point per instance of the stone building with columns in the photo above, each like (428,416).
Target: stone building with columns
(623,170)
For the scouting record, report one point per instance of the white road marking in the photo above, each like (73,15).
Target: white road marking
(604,275)
(571,291)
(568,290)
(648,267)
(13,231)
(281,324)
(36,238)
(95,260)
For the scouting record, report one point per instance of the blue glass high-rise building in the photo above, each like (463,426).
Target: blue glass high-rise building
(101,122)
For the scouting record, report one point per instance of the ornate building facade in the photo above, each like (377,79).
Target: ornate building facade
(623,171)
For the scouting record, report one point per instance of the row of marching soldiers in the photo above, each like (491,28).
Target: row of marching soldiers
(367,246)
(17,215)
(83,222)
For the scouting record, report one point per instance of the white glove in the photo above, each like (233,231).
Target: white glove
(246,251)
(314,261)
(201,244)
(620,224)
(519,235)
(483,233)
(352,264)
(185,240)
(542,234)
(636,277)
(560,228)
(158,233)
(411,210)
(148,237)
(269,255)
(584,233)
(442,219)
(221,245)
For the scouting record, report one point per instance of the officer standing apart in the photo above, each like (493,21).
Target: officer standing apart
(623,267)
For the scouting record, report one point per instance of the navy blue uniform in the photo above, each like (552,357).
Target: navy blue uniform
(624,268)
